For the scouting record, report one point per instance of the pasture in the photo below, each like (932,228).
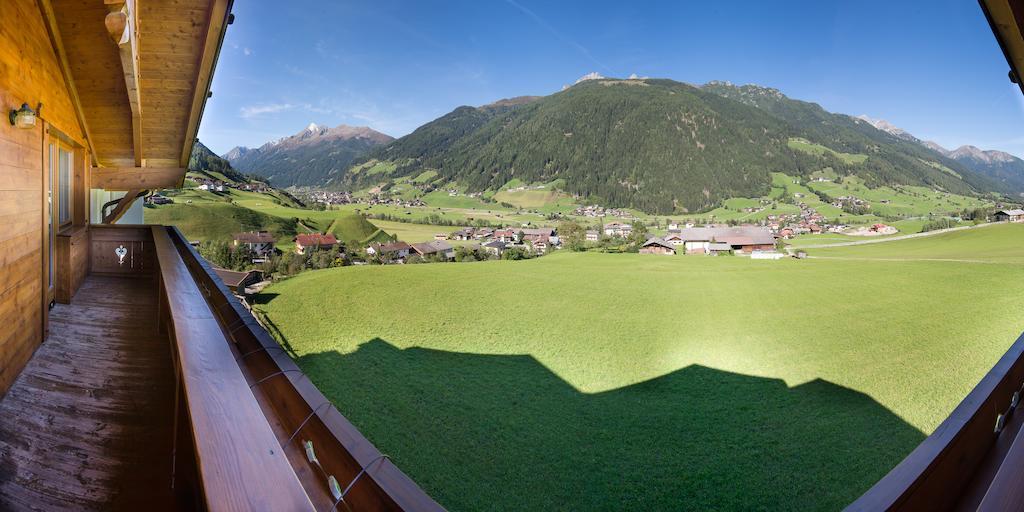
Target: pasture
(203,215)
(622,381)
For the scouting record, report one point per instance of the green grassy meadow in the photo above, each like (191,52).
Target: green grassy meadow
(589,381)
(998,243)
(817,149)
(203,215)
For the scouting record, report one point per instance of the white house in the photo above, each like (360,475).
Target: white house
(618,229)
(259,243)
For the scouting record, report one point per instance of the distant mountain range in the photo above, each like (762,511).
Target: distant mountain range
(1003,168)
(311,157)
(657,145)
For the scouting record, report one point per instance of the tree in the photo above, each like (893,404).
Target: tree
(514,254)
(638,236)
(573,235)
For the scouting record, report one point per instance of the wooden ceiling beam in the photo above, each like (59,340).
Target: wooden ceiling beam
(46,8)
(127,178)
(123,26)
(216,26)
(122,206)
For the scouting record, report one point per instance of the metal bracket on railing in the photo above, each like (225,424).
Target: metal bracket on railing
(303,424)
(1014,402)
(275,374)
(359,475)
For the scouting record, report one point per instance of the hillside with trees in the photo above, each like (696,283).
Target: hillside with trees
(657,145)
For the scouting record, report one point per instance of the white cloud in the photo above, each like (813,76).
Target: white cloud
(259,110)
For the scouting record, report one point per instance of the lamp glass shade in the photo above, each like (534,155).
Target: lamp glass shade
(25,119)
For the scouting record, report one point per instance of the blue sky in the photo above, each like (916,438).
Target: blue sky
(930,67)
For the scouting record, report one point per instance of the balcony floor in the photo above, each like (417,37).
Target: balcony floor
(88,423)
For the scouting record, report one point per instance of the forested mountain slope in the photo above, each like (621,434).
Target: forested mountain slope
(659,145)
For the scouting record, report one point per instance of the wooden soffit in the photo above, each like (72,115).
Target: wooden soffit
(141,71)
(1006,17)
(128,178)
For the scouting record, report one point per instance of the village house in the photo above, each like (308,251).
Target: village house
(675,238)
(495,247)
(236,281)
(537,234)
(390,252)
(507,235)
(1009,216)
(747,239)
(618,229)
(437,248)
(657,246)
(743,239)
(592,235)
(693,240)
(716,248)
(307,242)
(259,243)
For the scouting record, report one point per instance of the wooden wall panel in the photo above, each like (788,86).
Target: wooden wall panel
(139,260)
(29,73)
(29,69)
(72,262)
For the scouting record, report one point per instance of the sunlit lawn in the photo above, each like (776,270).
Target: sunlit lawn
(615,381)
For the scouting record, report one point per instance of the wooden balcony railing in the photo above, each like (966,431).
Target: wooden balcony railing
(252,432)
(329,455)
(239,463)
(974,459)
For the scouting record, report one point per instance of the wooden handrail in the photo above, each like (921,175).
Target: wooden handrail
(299,411)
(957,464)
(240,462)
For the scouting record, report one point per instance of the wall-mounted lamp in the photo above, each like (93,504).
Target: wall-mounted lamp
(25,117)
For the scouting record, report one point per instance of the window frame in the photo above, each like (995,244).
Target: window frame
(63,148)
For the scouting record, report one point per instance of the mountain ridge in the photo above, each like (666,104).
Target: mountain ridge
(657,145)
(309,156)
(1001,167)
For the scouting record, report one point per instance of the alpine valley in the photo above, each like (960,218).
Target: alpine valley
(655,145)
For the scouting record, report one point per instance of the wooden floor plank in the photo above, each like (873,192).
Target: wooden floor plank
(87,424)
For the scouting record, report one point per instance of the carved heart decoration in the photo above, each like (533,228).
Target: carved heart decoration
(121,252)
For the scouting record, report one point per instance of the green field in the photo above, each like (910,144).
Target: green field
(203,215)
(817,149)
(622,381)
(904,201)
(998,243)
(413,233)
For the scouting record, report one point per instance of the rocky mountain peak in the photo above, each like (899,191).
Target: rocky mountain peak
(889,128)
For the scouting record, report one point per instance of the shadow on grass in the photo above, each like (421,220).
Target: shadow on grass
(272,328)
(485,432)
(262,298)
